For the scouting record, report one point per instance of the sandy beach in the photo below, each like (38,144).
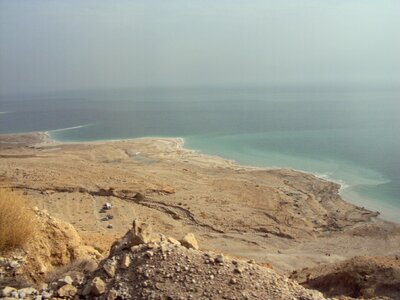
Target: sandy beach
(280,217)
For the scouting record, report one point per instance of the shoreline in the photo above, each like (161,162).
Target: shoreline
(46,139)
(274,216)
(180,144)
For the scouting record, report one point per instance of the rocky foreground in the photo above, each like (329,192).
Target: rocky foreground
(143,265)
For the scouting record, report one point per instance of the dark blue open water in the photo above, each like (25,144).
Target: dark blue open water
(351,136)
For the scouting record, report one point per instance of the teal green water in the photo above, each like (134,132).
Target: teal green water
(361,184)
(349,136)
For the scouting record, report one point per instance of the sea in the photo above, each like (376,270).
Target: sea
(347,135)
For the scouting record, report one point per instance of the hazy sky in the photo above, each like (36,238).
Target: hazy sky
(64,45)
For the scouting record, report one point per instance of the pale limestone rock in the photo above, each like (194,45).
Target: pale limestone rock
(125,261)
(65,280)
(168,189)
(67,290)
(6,291)
(173,241)
(189,241)
(140,233)
(110,268)
(98,286)
(28,291)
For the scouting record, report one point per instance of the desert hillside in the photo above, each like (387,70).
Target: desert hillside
(276,218)
(358,277)
(54,264)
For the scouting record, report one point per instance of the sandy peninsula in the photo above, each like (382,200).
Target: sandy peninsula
(284,218)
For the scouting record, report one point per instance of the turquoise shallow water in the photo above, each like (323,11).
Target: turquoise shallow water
(349,136)
(361,184)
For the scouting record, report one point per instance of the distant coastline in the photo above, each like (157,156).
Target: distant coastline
(243,210)
(344,190)
(343,187)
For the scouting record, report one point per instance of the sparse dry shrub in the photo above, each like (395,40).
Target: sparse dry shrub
(17,222)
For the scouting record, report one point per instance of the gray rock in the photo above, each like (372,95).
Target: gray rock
(219,259)
(54,285)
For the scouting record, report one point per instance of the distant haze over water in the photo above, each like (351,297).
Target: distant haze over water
(347,135)
(306,84)
(48,45)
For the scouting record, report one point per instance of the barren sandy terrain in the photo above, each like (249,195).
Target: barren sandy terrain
(281,217)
